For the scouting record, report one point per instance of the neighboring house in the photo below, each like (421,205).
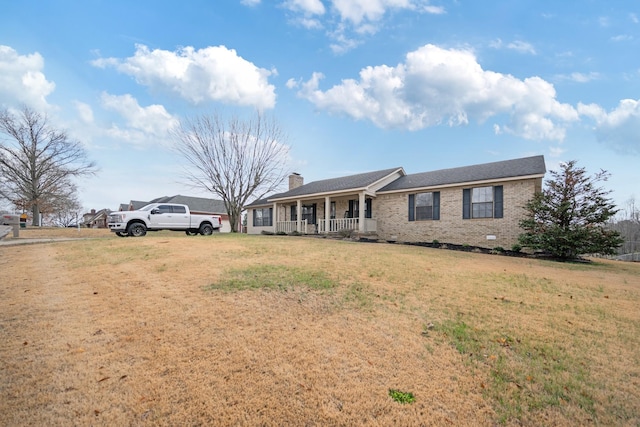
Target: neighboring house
(197,205)
(95,219)
(132,205)
(479,205)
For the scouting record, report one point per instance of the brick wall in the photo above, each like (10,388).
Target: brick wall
(391,212)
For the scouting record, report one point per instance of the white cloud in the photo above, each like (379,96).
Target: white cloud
(291,84)
(434,10)
(22,80)
(144,125)
(250,2)
(309,24)
(620,128)
(621,38)
(634,18)
(214,73)
(580,77)
(518,45)
(308,7)
(522,47)
(556,151)
(84,111)
(358,11)
(348,21)
(439,86)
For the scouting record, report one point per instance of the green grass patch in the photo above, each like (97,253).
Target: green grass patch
(522,375)
(358,295)
(402,396)
(272,277)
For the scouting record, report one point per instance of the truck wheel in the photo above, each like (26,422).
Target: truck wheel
(121,234)
(191,232)
(136,230)
(206,229)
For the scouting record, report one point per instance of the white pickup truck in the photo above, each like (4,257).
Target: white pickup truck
(162,216)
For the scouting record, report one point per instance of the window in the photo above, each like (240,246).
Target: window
(262,217)
(354,209)
(164,209)
(308,213)
(179,209)
(424,206)
(482,202)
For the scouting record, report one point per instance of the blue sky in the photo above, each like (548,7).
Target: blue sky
(357,85)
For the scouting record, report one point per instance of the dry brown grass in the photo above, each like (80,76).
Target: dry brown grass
(160,330)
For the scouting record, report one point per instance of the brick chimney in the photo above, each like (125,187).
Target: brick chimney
(295,181)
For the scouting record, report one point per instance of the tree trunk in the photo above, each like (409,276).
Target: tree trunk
(36,215)
(233,221)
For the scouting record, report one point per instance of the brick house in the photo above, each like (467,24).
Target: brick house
(479,205)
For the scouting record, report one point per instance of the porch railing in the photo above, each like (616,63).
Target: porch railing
(338,224)
(291,226)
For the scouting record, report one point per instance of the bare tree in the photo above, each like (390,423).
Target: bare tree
(627,223)
(63,211)
(37,161)
(238,160)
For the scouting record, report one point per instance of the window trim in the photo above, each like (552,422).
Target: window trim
(435,204)
(262,217)
(497,210)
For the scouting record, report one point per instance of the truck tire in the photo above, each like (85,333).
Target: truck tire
(121,234)
(136,230)
(191,232)
(206,229)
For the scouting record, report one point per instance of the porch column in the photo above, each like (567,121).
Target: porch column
(275,218)
(361,209)
(327,213)
(299,216)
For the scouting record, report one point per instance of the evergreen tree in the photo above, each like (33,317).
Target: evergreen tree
(568,218)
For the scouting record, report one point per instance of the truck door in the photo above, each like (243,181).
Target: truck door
(161,218)
(180,217)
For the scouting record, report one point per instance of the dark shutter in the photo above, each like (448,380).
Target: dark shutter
(254,217)
(412,207)
(436,205)
(466,203)
(497,201)
(367,208)
(270,217)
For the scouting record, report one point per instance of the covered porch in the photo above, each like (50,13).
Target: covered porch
(331,214)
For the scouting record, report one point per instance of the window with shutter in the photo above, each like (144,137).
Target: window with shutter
(424,206)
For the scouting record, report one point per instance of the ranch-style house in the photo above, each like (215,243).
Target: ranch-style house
(478,205)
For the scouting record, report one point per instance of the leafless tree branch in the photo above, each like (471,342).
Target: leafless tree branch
(238,160)
(37,161)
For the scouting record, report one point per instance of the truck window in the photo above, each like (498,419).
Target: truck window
(164,209)
(179,209)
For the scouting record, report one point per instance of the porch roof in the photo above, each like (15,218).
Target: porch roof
(524,167)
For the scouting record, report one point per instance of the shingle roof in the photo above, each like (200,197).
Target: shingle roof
(196,204)
(488,171)
(332,185)
(527,166)
(344,183)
